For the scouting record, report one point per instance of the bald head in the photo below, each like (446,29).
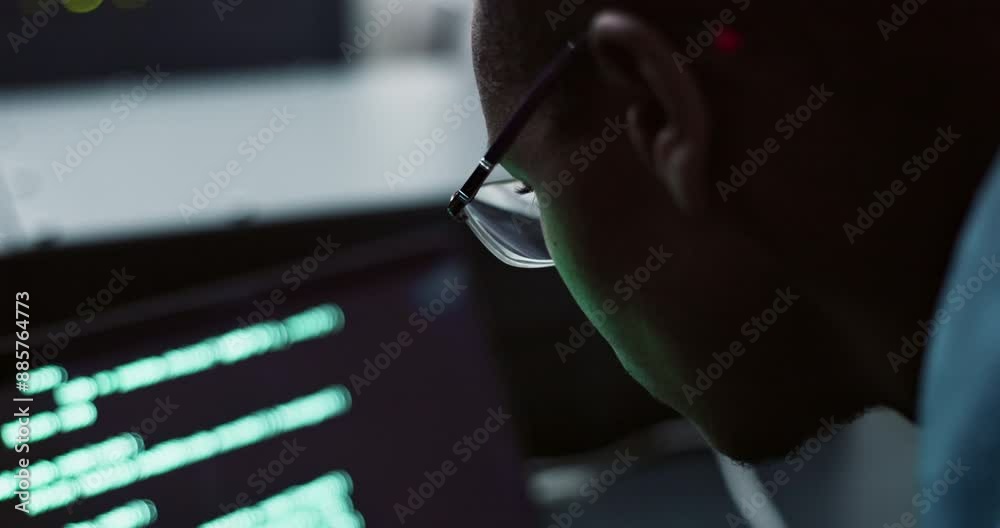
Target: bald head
(515,39)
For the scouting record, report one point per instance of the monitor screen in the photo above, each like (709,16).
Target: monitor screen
(297,398)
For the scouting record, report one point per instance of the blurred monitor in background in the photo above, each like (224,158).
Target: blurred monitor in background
(51,40)
(186,91)
(432,28)
(219,414)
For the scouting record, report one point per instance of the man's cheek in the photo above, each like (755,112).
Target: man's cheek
(573,272)
(643,354)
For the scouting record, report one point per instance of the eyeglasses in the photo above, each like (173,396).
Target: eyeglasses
(505,218)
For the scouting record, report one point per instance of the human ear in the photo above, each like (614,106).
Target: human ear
(669,121)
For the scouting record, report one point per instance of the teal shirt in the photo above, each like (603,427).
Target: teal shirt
(959,409)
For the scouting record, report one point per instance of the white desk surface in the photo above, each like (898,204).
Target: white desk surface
(351,126)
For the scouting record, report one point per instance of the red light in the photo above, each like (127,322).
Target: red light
(730,41)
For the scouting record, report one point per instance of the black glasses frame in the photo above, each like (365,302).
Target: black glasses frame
(538,93)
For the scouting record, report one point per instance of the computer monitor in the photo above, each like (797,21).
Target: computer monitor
(348,388)
(57,40)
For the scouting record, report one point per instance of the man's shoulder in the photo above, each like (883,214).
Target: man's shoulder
(960,397)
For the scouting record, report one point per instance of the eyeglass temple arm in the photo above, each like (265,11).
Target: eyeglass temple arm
(538,93)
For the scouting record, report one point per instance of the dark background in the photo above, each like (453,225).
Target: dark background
(181,35)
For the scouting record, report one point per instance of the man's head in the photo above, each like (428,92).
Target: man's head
(743,138)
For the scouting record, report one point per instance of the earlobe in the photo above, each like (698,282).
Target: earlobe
(668,121)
